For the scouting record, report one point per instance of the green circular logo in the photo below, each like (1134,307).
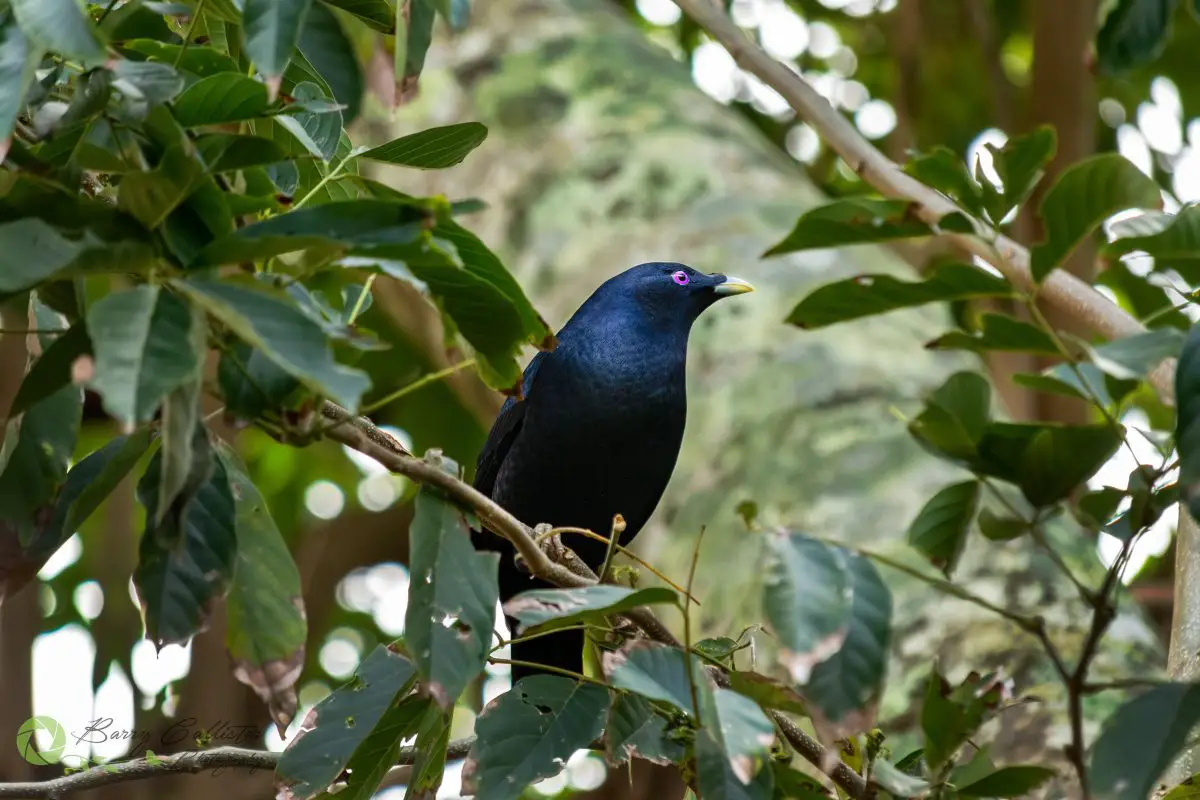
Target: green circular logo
(29,750)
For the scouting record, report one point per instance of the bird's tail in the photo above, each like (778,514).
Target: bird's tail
(562,649)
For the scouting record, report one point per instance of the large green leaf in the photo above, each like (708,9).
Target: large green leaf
(844,690)
(18,61)
(857,220)
(731,747)
(1135,356)
(226,152)
(351,224)
(654,671)
(272,30)
(36,252)
(318,132)
(807,600)
(325,46)
(224,97)
(528,733)
(945,171)
(86,486)
(144,345)
(342,723)
(940,530)
(1085,195)
(1134,33)
(635,729)
(999,332)
(1046,461)
(955,417)
(433,737)
(414,33)
(435,148)
(1018,781)
(283,333)
(266,625)
(451,599)
(867,295)
(252,384)
(61,26)
(155,83)
(185,563)
(200,61)
(1174,241)
(547,609)
(1141,739)
(53,370)
(376,754)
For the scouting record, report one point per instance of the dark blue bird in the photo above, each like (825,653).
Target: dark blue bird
(598,430)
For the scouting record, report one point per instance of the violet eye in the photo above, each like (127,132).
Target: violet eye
(680,277)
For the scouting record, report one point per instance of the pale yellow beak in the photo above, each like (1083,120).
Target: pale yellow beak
(732,285)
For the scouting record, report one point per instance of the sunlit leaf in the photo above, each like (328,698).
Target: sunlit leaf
(224,97)
(435,148)
(852,221)
(376,14)
(1020,163)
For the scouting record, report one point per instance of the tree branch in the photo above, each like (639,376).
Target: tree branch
(1068,295)
(188,762)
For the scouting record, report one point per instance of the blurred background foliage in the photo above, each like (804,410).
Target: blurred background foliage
(911,73)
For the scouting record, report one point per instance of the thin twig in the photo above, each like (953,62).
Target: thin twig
(566,673)
(687,622)
(191,761)
(187,36)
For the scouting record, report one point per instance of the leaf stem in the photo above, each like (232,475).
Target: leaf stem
(558,670)
(687,625)
(362,299)
(187,36)
(326,178)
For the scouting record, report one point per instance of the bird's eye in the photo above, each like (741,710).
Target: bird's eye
(680,277)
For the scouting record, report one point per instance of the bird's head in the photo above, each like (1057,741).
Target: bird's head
(670,292)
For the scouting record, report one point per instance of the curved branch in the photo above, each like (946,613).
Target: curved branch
(188,762)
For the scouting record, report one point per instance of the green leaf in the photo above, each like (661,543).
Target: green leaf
(180,416)
(1174,242)
(37,449)
(252,384)
(152,196)
(226,152)
(807,600)
(1134,33)
(1133,357)
(1085,381)
(1187,420)
(654,671)
(1189,789)
(1141,739)
(528,733)
(949,717)
(266,628)
(867,295)
(144,345)
(1020,163)
(352,224)
(155,83)
(60,26)
(844,690)
(433,737)
(451,599)
(768,692)
(435,148)
(547,609)
(954,418)
(376,754)
(635,729)
(324,44)
(342,723)
(999,332)
(53,369)
(318,133)
(37,252)
(18,62)
(857,220)
(942,169)
(272,30)
(87,485)
(721,648)
(731,746)
(896,783)
(1016,781)
(283,333)
(185,563)
(939,531)
(1046,461)
(202,62)
(1086,194)
(224,97)
(414,33)
(376,14)
(1001,529)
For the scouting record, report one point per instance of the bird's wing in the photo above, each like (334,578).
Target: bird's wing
(504,432)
